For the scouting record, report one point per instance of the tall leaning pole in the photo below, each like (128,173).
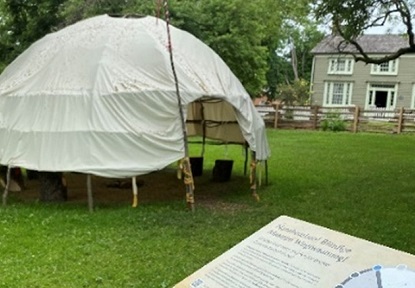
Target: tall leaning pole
(185,162)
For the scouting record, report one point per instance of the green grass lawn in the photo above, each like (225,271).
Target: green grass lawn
(359,184)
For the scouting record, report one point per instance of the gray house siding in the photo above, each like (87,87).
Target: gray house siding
(365,86)
(360,88)
(406,77)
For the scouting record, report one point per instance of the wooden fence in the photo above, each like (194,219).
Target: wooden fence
(355,119)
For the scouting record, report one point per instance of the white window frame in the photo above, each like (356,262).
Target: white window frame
(391,89)
(336,68)
(387,68)
(346,93)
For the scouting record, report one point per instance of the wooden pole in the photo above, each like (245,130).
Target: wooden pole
(202,115)
(189,184)
(400,120)
(253,177)
(315,115)
(135,192)
(89,191)
(276,116)
(6,190)
(246,158)
(356,119)
(187,171)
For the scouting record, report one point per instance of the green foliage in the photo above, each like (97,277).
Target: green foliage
(76,10)
(234,30)
(333,122)
(24,22)
(302,37)
(279,72)
(351,18)
(305,40)
(297,93)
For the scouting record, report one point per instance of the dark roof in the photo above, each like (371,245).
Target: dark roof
(376,44)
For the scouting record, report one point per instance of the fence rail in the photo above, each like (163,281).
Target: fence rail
(355,119)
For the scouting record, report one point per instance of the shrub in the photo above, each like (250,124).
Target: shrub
(297,93)
(333,122)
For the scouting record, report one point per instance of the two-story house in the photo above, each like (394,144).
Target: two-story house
(337,80)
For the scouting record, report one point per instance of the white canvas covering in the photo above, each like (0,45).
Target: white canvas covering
(99,97)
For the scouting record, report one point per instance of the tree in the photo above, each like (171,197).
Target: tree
(293,61)
(234,29)
(23,22)
(351,18)
(303,39)
(75,10)
(289,46)
(297,93)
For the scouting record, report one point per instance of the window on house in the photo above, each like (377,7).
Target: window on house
(341,66)
(338,93)
(387,68)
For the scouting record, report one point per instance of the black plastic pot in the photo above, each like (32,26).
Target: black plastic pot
(222,170)
(196,164)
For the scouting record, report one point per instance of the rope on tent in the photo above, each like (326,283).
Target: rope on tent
(188,177)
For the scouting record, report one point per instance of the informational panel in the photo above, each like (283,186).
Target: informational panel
(289,253)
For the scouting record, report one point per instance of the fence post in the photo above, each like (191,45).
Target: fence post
(276,116)
(400,120)
(356,119)
(315,115)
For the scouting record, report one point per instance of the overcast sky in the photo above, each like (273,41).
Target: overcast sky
(388,29)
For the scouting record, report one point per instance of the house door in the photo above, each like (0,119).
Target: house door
(381,96)
(381,99)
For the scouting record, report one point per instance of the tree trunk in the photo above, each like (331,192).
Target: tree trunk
(294,62)
(52,187)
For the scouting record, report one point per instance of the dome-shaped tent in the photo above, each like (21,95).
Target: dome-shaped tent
(99,97)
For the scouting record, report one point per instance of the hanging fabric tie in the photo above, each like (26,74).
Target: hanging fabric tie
(252,177)
(179,169)
(252,173)
(187,178)
(226,150)
(135,192)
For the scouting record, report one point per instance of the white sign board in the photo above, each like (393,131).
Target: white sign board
(289,253)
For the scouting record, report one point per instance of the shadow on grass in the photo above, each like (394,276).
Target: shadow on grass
(161,187)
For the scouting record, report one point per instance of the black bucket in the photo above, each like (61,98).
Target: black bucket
(222,170)
(196,164)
